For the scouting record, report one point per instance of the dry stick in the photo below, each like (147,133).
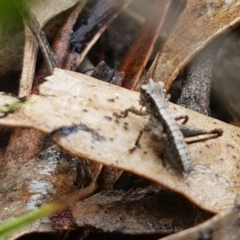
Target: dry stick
(60,45)
(27,143)
(29,63)
(91,28)
(35,27)
(197,84)
(138,56)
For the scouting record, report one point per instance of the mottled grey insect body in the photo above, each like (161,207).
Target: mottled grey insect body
(176,151)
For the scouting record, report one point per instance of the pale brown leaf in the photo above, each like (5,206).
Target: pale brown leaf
(84,108)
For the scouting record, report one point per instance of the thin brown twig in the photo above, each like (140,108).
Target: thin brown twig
(196,88)
(60,45)
(138,56)
(91,28)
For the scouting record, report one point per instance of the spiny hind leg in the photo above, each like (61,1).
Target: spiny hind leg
(189,131)
(183,116)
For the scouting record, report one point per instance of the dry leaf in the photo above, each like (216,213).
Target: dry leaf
(143,211)
(224,225)
(79,113)
(25,187)
(198,24)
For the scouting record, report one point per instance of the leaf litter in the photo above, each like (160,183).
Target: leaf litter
(62,131)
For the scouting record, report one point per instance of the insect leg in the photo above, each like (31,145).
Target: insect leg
(193,132)
(136,145)
(185,117)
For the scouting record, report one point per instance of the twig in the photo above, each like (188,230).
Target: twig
(91,28)
(197,84)
(29,63)
(35,27)
(138,56)
(60,45)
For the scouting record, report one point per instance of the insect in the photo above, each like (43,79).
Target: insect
(163,126)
